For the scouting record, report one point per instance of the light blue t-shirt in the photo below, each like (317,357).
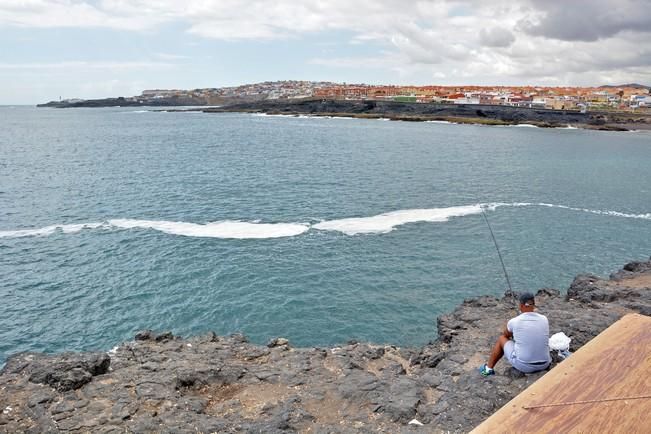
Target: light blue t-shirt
(531,335)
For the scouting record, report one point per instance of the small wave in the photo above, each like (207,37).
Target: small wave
(439,122)
(301,116)
(49,230)
(222,229)
(387,222)
(384,223)
(645,216)
(273,115)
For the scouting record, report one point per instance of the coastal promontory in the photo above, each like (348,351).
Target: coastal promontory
(159,382)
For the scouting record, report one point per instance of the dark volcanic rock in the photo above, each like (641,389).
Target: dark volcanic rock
(129,102)
(63,372)
(471,113)
(638,267)
(144,335)
(631,269)
(162,383)
(411,111)
(403,111)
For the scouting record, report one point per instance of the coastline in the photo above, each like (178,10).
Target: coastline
(211,383)
(491,115)
(476,114)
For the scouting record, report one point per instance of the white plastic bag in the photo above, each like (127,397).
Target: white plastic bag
(559,342)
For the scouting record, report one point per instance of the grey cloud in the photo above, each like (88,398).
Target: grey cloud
(587,20)
(496,37)
(427,46)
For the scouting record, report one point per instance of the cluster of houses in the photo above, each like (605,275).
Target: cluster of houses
(288,89)
(562,98)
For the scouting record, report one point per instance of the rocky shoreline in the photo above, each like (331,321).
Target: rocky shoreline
(164,383)
(391,110)
(454,113)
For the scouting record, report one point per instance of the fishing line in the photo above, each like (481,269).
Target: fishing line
(506,275)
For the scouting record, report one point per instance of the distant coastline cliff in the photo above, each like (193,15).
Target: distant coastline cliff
(625,97)
(617,108)
(392,110)
(226,384)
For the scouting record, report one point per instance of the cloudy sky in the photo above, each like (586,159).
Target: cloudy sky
(98,48)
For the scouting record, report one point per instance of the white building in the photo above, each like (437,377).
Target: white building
(640,101)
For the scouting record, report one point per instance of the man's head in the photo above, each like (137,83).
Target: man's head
(527,302)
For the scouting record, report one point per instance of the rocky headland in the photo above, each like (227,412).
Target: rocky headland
(126,102)
(164,383)
(392,110)
(454,113)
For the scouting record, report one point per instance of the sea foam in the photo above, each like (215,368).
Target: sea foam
(644,216)
(384,223)
(49,230)
(377,224)
(221,229)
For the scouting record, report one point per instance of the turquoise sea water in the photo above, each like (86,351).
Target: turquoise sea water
(105,222)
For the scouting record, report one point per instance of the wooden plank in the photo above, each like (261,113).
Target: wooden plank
(615,364)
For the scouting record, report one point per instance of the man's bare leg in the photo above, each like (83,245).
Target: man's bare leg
(498,351)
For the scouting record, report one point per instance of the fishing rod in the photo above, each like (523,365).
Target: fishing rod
(506,275)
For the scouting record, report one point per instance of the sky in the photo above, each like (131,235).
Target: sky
(101,48)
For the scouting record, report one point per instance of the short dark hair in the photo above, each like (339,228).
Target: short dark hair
(527,299)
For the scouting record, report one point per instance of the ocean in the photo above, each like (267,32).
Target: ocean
(315,229)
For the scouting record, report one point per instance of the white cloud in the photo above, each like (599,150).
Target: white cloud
(64,13)
(355,62)
(470,40)
(496,37)
(587,20)
(77,65)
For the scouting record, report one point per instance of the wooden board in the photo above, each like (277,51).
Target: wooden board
(615,364)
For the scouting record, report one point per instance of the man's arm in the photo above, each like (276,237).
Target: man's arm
(508,332)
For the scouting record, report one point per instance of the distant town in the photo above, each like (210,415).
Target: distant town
(563,98)
(623,97)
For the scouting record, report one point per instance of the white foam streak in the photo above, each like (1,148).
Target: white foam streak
(222,229)
(49,230)
(646,216)
(378,224)
(274,115)
(384,223)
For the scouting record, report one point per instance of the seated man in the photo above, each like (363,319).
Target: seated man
(524,342)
